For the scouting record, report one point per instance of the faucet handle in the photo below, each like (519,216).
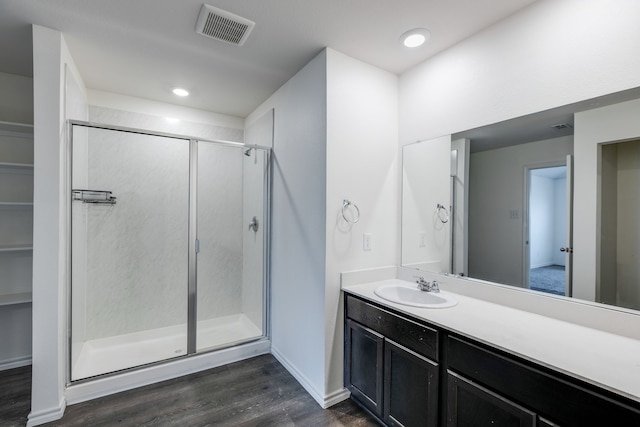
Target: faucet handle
(435,286)
(423,285)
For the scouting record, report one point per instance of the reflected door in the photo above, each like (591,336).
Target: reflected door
(130,214)
(548,220)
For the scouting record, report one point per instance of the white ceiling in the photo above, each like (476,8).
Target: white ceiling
(143,48)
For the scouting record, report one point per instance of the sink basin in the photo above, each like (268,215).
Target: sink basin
(408,294)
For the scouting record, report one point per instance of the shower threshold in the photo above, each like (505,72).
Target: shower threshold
(106,355)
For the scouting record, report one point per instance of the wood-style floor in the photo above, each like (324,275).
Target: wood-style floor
(253,392)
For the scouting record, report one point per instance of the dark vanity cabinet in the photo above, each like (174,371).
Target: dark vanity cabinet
(469,404)
(526,390)
(364,355)
(391,365)
(410,373)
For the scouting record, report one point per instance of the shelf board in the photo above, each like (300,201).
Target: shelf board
(17,298)
(14,166)
(15,248)
(16,204)
(16,129)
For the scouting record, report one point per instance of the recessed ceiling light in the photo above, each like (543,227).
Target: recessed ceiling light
(180,92)
(416,37)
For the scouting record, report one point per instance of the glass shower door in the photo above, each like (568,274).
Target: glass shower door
(130,218)
(231,195)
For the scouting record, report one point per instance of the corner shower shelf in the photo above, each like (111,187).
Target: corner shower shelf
(17,298)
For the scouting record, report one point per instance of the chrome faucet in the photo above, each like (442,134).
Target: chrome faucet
(425,286)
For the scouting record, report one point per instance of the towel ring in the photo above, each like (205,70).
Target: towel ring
(345,206)
(443,213)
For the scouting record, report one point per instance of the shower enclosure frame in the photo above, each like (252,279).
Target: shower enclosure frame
(192,292)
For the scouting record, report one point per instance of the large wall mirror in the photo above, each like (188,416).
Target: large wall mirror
(549,202)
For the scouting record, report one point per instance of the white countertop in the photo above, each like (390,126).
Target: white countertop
(601,358)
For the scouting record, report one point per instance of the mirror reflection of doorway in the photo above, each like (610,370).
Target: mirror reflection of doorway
(547,229)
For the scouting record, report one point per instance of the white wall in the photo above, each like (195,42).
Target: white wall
(551,53)
(362,166)
(628,229)
(16,102)
(496,180)
(594,127)
(541,226)
(186,121)
(426,183)
(298,239)
(619,271)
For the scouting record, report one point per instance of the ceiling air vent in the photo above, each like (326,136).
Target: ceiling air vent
(222,25)
(562,126)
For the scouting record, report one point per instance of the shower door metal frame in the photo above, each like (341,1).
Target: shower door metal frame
(192,239)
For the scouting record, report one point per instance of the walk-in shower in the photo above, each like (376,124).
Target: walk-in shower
(169,247)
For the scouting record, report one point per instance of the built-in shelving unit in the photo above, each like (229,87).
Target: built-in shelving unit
(16,237)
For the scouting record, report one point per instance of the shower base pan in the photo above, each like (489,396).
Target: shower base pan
(105,355)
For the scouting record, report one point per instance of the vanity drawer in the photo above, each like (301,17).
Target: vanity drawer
(551,396)
(412,335)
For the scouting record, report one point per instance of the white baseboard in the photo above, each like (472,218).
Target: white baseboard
(47,415)
(129,380)
(324,401)
(15,363)
(336,397)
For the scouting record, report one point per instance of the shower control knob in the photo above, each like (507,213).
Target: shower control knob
(568,250)
(254,224)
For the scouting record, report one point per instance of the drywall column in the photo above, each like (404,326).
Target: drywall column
(614,123)
(362,166)
(52,63)
(298,207)
(47,399)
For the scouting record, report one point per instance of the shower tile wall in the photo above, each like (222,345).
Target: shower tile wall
(220,230)
(137,248)
(253,243)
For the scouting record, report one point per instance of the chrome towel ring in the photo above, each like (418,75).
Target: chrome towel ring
(351,219)
(443,213)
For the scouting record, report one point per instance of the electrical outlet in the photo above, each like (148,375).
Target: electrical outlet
(514,214)
(423,240)
(366,241)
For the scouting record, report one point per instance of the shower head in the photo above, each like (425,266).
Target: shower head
(247,152)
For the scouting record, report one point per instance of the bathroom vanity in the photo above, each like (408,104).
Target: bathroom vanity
(426,367)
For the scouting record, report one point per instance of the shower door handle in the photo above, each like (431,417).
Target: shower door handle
(568,250)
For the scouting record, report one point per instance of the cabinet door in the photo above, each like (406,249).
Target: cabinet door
(364,369)
(469,404)
(410,388)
